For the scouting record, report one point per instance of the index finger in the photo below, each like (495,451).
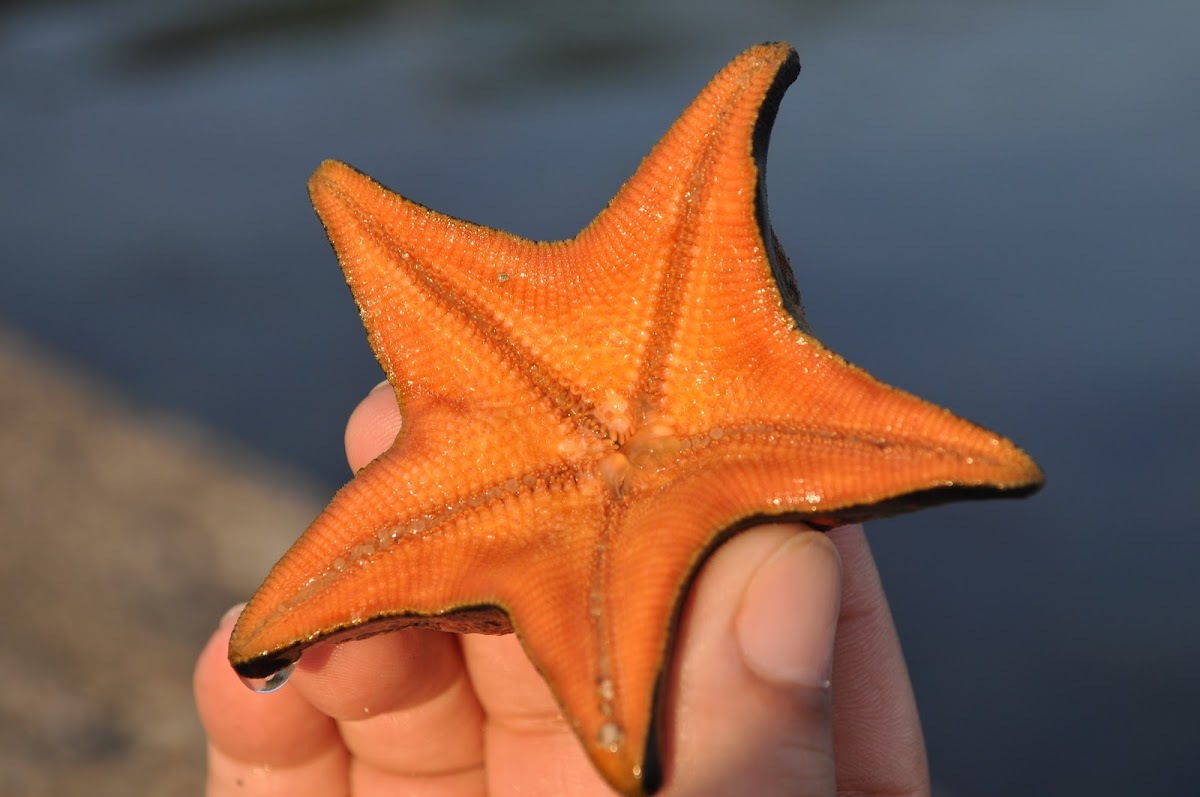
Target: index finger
(877,740)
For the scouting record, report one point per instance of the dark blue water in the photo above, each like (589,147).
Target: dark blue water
(993,204)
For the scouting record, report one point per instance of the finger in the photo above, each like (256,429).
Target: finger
(279,743)
(528,741)
(751,702)
(405,705)
(263,744)
(877,732)
(405,711)
(373,426)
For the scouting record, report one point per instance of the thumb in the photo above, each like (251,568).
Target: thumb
(752,694)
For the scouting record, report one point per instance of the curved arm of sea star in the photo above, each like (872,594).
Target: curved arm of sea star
(452,465)
(750,474)
(376,560)
(461,309)
(705,238)
(425,284)
(718,143)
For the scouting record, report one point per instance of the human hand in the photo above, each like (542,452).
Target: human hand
(754,706)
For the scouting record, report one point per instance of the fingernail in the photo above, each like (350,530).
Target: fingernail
(381,386)
(789,612)
(232,613)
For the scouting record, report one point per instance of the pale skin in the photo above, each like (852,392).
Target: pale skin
(788,679)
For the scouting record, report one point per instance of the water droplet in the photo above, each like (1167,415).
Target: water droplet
(271,682)
(610,737)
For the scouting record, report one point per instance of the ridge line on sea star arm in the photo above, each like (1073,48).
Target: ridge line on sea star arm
(536,370)
(721,137)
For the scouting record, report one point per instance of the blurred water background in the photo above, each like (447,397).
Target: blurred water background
(993,204)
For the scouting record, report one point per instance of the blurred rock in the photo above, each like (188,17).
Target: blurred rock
(124,535)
